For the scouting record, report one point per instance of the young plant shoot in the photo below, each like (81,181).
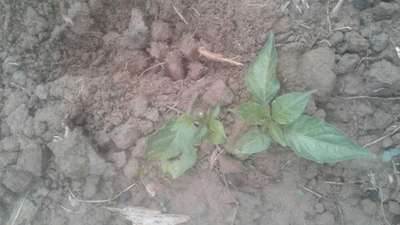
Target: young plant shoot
(270,118)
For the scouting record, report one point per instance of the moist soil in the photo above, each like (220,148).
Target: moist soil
(84,82)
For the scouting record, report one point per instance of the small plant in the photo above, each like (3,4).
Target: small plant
(174,144)
(270,118)
(281,119)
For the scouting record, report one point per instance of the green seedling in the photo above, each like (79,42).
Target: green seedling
(270,118)
(281,118)
(175,144)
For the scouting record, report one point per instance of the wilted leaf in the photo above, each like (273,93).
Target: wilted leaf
(143,216)
(216,131)
(252,113)
(320,142)
(287,108)
(251,142)
(261,78)
(176,137)
(276,133)
(178,166)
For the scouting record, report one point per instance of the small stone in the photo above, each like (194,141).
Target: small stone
(396,138)
(82,20)
(31,157)
(188,46)
(158,50)
(394,207)
(90,187)
(347,63)
(131,168)
(320,114)
(175,68)
(356,43)
(351,84)
(7,159)
(41,92)
(319,208)
(218,93)
(140,148)
(145,126)
(152,114)
(125,135)
(118,158)
(381,119)
(9,144)
(316,70)
(379,42)
(138,106)
(17,181)
(387,142)
(137,31)
(196,70)
(16,120)
(369,207)
(364,109)
(384,10)
(336,38)
(161,31)
(385,72)
(77,158)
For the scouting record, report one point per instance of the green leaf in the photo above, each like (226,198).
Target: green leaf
(253,113)
(287,108)
(216,131)
(261,78)
(389,154)
(317,141)
(251,142)
(176,137)
(177,167)
(215,112)
(276,133)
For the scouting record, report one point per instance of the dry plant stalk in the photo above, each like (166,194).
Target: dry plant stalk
(216,57)
(143,216)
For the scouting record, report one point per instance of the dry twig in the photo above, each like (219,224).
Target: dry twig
(369,97)
(151,67)
(179,14)
(382,138)
(216,57)
(337,7)
(19,210)
(102,201)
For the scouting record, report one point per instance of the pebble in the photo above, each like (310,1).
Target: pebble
(17,181)
(175,67)
(379,42)
(369,207)
(394,207)
(125,135)
(336,38)
(347,63)
(387,142)
(356,43)
(218,93)
(161,31)
(384,10)
(196,70)
(316,71)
